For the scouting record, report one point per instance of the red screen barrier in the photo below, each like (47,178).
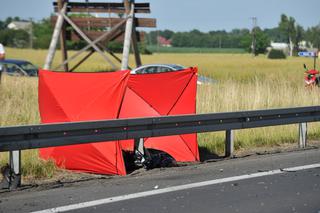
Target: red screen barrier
(69,97)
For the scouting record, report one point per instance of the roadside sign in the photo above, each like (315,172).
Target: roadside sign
(308,54)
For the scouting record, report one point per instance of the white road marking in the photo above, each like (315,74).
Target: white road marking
(173,189)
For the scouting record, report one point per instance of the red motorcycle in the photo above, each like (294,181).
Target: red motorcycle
(311,77)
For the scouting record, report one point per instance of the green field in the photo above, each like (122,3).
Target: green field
(244,83)
(159,49)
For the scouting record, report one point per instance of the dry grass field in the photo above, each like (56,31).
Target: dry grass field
(244,83)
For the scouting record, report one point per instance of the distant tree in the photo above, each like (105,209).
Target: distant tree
(239,32)
(236,36)
(196,32)
(152,38)
(288,28)
(246,42)
(218,32)
(219,38)
(14,38)
(153,35)
(167,34)
(195,38)
(262,42)
(313,36)
(181,39)
(42,34)
(298,37)
(275,34)
(2,25)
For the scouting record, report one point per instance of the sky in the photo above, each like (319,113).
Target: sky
(185,15)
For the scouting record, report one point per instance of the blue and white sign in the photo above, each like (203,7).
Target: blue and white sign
(308,54)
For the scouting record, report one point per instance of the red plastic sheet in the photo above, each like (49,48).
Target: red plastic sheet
(66,97)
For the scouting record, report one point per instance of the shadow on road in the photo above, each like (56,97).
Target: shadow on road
(207,155)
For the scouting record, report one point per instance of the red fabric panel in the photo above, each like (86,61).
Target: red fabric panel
(184,106)
(161,90)
(186,103)
(189,140)
(161,94)
(134,106)
(66,97)
(80,96)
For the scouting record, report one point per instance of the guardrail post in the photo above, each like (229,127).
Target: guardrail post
(229,146)
(139,145)
(142,157)
(139,151)
(15,168)
(302,135)
(12,172)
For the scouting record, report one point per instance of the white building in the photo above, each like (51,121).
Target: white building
(20,25)
(279,46)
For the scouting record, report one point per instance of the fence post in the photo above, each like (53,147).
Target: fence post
(303,135)
(229,145)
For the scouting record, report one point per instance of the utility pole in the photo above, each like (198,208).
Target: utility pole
(254,36)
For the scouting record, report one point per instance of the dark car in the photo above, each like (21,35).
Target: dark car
(18,67)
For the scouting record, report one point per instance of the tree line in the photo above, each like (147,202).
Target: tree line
(287,31)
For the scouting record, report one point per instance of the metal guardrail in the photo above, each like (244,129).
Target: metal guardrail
(61,134)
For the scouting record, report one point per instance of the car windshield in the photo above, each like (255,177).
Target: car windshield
(28,66)
(177,67)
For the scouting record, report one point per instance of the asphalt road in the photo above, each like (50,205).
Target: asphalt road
(252,184)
